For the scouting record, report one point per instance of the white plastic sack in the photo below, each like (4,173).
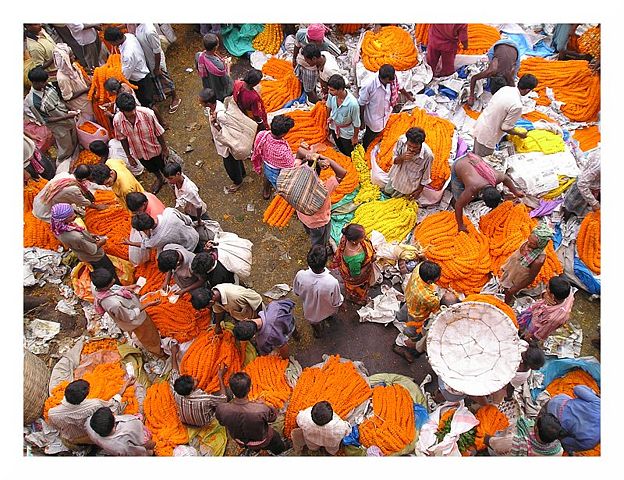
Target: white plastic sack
(238,131)
(234,253)
(463,420)
(536,173)
(137,255)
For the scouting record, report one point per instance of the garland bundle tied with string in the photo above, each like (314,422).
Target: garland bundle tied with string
(391,428)
(390,45)
(336,382)
(98,345)
(270,39)
(350,181)
(573,83)
(36,232)
(178,320)
(368,191)
(463,257)
(566,383)
(268,380)
(466,440)
(507,227)
(278,213)
(588,241)
(284,88)
(310,126)
(439,137)
(588,137)
(497,302)
(114,222)
(394,218)
(162,419)
(491,420)
(201,361)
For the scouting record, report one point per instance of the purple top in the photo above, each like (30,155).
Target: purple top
(277,325)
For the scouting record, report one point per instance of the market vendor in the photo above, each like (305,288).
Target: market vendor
(411,165)
(115,174)
(119,435)
(584,194)
(175,261)
(319,427)
(208,268)
(504,62)
(472,176)
(172,226)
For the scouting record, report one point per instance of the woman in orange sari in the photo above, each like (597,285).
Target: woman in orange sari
(354,259)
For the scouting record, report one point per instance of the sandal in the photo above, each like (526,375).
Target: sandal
(234,188)
(174,107)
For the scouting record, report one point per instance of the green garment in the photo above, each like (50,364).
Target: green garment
(354,262)
(237,38)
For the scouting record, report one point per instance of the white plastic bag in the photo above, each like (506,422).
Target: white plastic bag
(136,255)
(238,131)
(234,253)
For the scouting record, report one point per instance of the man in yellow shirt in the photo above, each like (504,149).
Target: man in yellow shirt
(115,174)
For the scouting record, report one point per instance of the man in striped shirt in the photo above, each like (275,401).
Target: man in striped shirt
(141,137)
(196,407)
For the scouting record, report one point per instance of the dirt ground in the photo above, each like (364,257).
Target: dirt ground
(278,253)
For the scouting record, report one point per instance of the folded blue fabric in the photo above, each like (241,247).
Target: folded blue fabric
(353,438)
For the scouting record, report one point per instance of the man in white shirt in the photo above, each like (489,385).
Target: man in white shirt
(186,192)
(411,169)
(319,290)
(86,37)
(377,98)
(115,149)
(500,116)
(319,426)
(171,226)
(325,63)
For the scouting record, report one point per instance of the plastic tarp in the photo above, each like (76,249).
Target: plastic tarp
(237,39)
(555,368)
(536,173)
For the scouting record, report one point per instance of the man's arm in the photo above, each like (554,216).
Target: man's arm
(336,167)
(197,284)
(490,71)
(584,183)
(222,370)
(295,53)
(407,94)
(509,183)
(464,199)
(60,118)
(163,146)
(166,281)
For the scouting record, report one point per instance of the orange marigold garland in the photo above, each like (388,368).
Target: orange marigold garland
(284,88)
(99,345)
(588,137)
(491,420)
(481,37)
(36,232)
(392,426)
(350,181)
(114,222)
(573,83)
(391,44)
(336,382)
(310,126)
(492,300)
(87,157)
(567,382)
(588,241)
(278,213)
(463,257)
(268,380)
(206,353)
(350,28)
(163,420)
(270,39)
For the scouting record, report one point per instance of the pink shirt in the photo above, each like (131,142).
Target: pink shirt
(154,206)
(322,217)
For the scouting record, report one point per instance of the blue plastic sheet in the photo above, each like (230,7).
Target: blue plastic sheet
(524,48)
(301,99)
(447,92)
(558,367)
(525,124)
(421,415)
(586,276)
(353,438)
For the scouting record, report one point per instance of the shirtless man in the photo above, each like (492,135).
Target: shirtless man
(470,175)
(502,68)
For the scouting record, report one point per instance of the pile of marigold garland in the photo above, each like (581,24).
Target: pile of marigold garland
(368,191)
(114,222)
(36,232)
(350,181)
(269,39)
(268,380)
(162,419)
(284,88)
(310,126)
(588,241)
(391,45)
(394,218)
(278,213)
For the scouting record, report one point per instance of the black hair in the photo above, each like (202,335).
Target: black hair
(112,84)
(102,421)
(534,357)
(101,277)
(38,74)
(311,51)
(28,33)
(202,263)
(208,95)
(100,173)
(429,271)
(496,83)
(200,298)
(210,41)
(354,232)
(142,221)
(317,258)
(168,260)
(252,77)
(240,384)
(322,413)
(527,82)
(387,71)
(416,135)
(281,125)
(549,428)
(125,102)
(113,34)
(245,330)
(184,385)
(172,169)
(491,196)
(99,148)
(135,200)
(77,391)
(82,172)
(559,287)
(336,82)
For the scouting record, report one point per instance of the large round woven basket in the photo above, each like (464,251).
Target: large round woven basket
(36,378)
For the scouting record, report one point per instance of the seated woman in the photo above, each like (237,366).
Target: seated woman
(354,259)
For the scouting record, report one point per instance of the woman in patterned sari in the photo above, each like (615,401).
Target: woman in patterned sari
(354,259)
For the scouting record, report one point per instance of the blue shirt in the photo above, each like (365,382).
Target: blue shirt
(346,114)
(580,417)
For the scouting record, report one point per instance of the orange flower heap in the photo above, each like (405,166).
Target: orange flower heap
(391,427)
(421,32)
(507,228)
(268,380)
(278,213)
(310,126)
(269,39)
(572,82)
(350,181)
(492,300)
(588,241)
(336,382)
(99,345)
(391,45)
(567,382)
(206,353)
(114,222)
(463,257)
(87,157)
(481,37)
(162,419)
(491,420)
(36,233)
(588,137)
(284,88)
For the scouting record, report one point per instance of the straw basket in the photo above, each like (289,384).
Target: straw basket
(36,378)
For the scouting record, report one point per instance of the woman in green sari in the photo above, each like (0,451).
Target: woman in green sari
(354,259)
